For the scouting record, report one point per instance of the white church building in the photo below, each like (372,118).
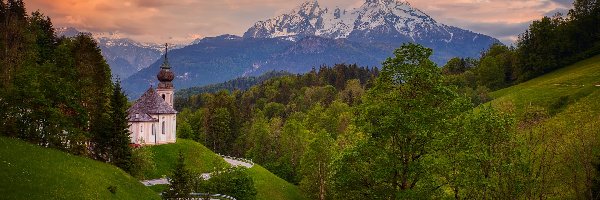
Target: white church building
(152,118)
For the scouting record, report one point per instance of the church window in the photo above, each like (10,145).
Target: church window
(153,129)
(163,96)
(163,127)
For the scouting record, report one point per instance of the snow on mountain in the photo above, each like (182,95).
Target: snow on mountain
(310,36)
(124,56)
(375,17)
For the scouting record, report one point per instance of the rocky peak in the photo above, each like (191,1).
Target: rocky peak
(383,2)
(309,19)
(308,8)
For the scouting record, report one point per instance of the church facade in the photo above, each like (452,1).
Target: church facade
(152,118)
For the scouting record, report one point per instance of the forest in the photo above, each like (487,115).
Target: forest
(58,92)
(407,130)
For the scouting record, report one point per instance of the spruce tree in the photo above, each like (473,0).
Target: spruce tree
(181,181)
(120,150)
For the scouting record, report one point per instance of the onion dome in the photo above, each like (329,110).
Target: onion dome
(165,75)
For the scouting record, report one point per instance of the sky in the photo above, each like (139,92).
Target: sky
(182,21)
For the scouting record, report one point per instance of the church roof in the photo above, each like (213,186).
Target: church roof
(141,117)
(149,103)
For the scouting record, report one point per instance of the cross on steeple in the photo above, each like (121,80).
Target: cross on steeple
(165,64)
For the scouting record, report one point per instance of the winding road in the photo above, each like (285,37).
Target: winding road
(232,161)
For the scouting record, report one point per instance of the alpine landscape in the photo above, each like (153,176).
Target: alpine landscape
(318,99)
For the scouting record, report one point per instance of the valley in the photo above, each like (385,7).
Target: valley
(329,99)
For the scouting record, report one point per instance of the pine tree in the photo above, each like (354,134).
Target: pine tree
(181,181)
(120,149)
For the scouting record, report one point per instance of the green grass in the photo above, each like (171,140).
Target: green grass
(564,144)
(201,159)
(158,188)
(198,158)
(556,90)
(269,186)
(31,172)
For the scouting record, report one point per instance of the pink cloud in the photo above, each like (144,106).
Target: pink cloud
(174,21)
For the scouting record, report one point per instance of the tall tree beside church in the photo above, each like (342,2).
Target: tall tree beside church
(120,149)
(95,87)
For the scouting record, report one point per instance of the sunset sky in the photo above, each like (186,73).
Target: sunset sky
(182,21)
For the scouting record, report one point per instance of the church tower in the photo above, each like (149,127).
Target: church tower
(166,76)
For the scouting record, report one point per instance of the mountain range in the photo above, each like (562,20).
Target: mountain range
(310,36)
(124,56)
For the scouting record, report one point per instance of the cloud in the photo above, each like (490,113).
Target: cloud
(507,33)
(153,3)
(502,19)
(174,21)
(562,11)
(566,3)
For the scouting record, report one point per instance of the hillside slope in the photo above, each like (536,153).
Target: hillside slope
(32,172)
(559,121)
(197,157)
(269,186)
(557,90)
(201,160)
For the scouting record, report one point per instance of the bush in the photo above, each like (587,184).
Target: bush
(235,182)
(142,162)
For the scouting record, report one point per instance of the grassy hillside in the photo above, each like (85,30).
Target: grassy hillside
(269,186)
(559,120)
(199,158)
(556,90)
(32,172)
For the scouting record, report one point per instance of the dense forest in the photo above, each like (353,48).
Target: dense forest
(342,132)
(407,130)
(58,92)
(241,83)
(410,130)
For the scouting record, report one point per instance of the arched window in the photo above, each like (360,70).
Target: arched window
(163,127)
(153,129)
(163,96)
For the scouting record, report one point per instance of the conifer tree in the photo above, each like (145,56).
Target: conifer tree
(120,149)
(181,181)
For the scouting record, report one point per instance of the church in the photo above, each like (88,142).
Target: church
(152,118)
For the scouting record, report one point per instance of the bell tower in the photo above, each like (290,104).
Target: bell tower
(166,76)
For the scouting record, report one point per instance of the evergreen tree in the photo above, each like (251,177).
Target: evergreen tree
(119,146)
(181,181)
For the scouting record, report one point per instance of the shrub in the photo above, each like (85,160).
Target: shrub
(142,162)
(235,182)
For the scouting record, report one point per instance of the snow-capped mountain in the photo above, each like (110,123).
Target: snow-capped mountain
(374,21)
(125,56)
(310,36)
